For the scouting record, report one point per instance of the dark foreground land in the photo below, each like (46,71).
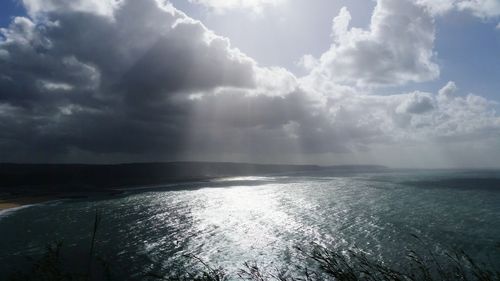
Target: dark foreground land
(98,177)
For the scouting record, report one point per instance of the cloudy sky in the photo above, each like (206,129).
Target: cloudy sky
(403,83)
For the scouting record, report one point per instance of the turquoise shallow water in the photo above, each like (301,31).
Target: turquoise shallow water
(229,221)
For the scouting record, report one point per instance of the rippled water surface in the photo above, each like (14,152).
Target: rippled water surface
(232,220)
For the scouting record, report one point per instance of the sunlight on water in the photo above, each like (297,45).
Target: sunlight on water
(246,219)
(263,219)
(248,178)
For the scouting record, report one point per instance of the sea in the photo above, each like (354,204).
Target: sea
(264,220)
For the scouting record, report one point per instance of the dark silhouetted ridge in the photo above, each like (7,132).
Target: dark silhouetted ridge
(59,177)
(96,177)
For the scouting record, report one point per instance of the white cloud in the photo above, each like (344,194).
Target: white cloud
(102,7)
(340,27)
(396,49)
(54,86)
(308,62)
(419,116)
(448,90)
(479,8)
(416,103)
(222,6)
(437,7)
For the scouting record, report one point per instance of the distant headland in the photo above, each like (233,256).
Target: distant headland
(22,184)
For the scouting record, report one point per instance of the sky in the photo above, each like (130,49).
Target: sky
(402,83)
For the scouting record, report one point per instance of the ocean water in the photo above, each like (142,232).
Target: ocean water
(229,221)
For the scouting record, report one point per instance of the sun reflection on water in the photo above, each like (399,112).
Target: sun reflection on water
(245,219)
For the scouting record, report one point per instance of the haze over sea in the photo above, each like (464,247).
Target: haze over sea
(232,220)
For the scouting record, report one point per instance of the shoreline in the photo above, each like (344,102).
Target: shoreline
(9,201)
(5,212)
(14,202)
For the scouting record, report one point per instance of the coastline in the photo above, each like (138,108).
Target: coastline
(9,203)
(5,212)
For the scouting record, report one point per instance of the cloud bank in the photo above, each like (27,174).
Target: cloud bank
(141,81)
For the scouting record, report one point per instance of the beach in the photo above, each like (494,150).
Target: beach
(9,202)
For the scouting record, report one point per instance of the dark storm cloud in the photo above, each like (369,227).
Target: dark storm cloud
(129,80)
(108,84)
(146,80)
(180,64)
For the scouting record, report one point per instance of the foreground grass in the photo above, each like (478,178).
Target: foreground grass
(322,264)
(316,263)
(352,266)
